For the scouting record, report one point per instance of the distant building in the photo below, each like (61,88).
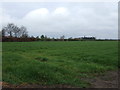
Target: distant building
(77,39)
(88,38)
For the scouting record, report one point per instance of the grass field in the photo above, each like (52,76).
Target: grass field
(52,63)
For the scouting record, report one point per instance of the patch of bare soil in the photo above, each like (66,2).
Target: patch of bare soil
(108,80)
(6,85)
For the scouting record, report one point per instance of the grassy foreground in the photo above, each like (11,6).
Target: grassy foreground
(53,63)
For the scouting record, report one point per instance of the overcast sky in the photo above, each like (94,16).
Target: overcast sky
(67,18)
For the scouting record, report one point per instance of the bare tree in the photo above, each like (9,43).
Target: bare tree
(9,28)
(23,31)
(14,31)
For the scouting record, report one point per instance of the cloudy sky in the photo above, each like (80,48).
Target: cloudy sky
(72,19)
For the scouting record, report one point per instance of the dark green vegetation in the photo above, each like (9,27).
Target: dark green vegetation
(51,63)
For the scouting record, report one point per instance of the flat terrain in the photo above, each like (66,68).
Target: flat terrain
(58,64)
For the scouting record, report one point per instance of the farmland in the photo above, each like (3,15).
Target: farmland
(57,62)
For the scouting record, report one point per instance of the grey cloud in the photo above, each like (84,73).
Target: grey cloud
(72,19)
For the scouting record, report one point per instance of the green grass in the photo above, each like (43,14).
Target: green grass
(51,63)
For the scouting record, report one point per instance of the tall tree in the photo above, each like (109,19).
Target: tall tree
(10,28)
(3,33)
(23,31)
(42,36)
(14,31)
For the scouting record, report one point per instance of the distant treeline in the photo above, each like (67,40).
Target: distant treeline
(13,33)
(29,39)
